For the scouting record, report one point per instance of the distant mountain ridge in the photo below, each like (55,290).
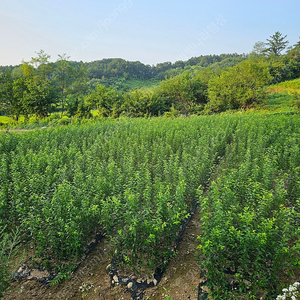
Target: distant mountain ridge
(117,67)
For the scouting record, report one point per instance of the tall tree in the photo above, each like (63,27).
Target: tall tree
(63,76)
(39,97)
(42,64)
(9,103)
(70,78)
(276,44)
(34,90)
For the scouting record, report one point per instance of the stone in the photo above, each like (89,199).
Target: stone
(129,285)
(155,282)
(115,278)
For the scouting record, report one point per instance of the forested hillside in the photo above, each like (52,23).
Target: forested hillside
(121,74)
(115,87)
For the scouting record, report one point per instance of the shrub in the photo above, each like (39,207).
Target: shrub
(242,86)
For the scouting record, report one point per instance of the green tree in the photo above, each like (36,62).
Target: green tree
(63,75)
(83,110)
(19,90)
(282,68)
(72,103)
(42,64)
(143,102)
(76,106)
(184,91)
(9,103)
(39,97)
(294,52)
(34,90)
(242,86)
(70,78)
(276,44)
(294,55)
(105,100)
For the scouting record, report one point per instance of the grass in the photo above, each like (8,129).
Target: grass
(122,84)
(283,90)
(280,99)
(291,86)
(279,102)
(276,103)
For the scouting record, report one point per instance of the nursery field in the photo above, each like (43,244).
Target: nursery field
(135,182)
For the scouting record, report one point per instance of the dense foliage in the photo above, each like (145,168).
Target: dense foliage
(134,179)
(250,215)
(242,86)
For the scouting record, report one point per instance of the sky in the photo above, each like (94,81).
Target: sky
(152,32)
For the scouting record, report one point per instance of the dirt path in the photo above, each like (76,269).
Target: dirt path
(15,130)
(182,276)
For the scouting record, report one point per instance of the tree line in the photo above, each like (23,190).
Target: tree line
(202,85)
(113,68)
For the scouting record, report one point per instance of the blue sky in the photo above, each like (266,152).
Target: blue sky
(149,31)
